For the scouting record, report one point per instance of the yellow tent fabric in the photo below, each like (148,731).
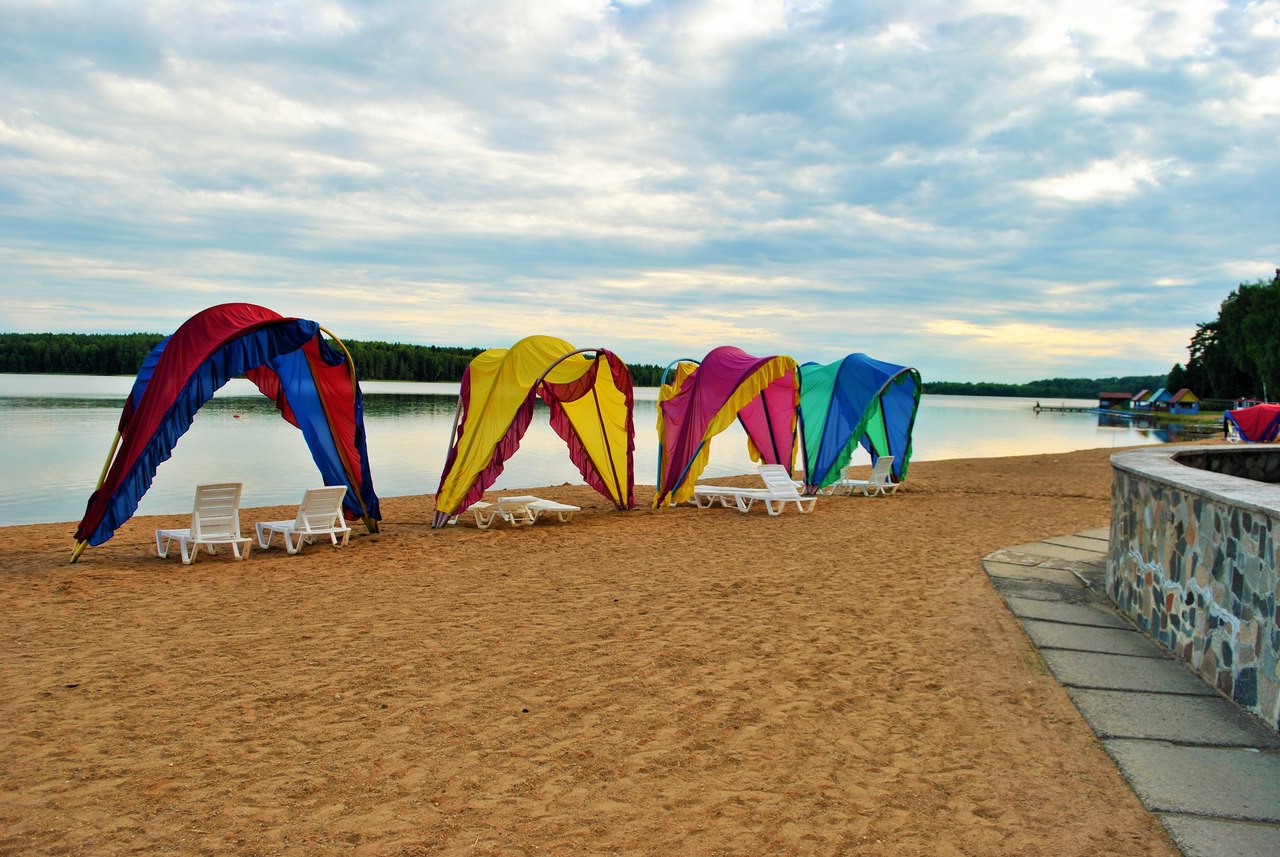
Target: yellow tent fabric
(703,399)
(591,402)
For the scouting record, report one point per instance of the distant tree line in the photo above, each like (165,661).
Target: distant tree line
(75,353)
(122,354)
(1050,388)
(1238,353)
(396,361)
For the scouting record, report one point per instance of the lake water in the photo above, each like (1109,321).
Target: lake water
(57,430)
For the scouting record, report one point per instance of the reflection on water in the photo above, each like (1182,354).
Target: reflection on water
(58,430)
(1164,432)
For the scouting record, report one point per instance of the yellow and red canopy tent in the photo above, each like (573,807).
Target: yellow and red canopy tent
(589,394)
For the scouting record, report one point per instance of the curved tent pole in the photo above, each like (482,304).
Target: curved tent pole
(861,428)
(369,523)
(102,477)
(608,450)
(440,518)
(665,373)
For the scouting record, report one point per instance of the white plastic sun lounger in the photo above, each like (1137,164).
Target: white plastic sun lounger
(320,514)
(521,510)
(779,490)
(880,483)
(514,510)
(215,520)
(560,511)
(705,496)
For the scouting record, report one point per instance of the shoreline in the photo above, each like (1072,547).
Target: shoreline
(649,682)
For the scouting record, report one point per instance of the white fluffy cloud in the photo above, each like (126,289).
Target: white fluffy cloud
(980,192)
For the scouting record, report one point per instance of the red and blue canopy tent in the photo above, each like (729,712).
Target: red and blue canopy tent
(1258,424)
(705,397)
(314,386)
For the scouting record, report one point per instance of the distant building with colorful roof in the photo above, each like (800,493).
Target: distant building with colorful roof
(1114,401)
(1184,402)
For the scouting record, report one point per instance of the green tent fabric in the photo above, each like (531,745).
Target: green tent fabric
(851,402)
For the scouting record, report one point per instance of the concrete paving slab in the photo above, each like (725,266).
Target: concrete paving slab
(1039,561)
(1103,533)
(1223,782)
(1212,837)
(1084,638)
(1014,557)
(1091,545)
(1075,614)
(1074,564)
(1207,720)
(1044,549)
(1095,577)
(1032,572)
(1123,672)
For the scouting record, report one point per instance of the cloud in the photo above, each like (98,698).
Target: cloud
(802,177)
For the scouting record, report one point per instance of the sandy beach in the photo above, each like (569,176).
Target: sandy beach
(677,682)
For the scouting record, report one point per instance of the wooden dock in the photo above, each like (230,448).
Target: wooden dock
(1063,409)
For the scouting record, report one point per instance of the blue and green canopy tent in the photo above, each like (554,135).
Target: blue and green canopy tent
(856,401)
(314,386)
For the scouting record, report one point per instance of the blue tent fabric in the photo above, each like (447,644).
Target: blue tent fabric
(185,370)
(856,401)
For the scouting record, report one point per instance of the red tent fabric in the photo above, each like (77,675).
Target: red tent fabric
(1259,424)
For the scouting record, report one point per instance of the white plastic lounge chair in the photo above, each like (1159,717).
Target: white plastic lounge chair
(782,489)
(779,490)
(514,510)
(704,496)
(881,481)
(215,520)
(560,511)
(319,514)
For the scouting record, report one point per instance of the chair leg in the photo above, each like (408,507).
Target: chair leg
(289,545)
(162,549)
(264,543)
(189,553)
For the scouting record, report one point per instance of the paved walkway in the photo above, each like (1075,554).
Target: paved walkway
(1208,769)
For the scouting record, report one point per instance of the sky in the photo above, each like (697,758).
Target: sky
(982,190)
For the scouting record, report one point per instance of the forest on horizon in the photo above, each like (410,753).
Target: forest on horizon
(122,354)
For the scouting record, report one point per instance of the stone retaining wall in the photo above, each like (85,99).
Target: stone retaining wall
(1193,561)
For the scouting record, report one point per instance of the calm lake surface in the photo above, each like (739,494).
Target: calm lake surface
(58,429)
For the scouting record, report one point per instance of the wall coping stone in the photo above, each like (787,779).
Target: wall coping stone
(1160,464)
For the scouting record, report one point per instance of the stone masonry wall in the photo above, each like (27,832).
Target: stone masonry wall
(1193,561)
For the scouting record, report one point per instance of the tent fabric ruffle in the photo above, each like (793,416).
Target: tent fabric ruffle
(592,411)
(186,369)
(703,400)
(856,401)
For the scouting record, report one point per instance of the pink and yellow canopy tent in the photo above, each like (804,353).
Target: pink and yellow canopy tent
(589,394)
(704,398)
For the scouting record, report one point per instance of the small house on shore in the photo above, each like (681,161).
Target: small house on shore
(1114,401)
(1141,401)
(1184,402)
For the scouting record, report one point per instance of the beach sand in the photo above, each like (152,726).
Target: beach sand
(677,682)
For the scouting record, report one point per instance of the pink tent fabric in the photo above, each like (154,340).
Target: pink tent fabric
(761,392)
